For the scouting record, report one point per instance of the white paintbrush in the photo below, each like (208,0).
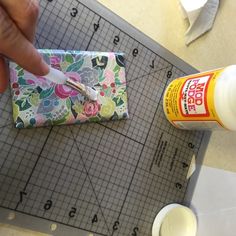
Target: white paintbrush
(59,77)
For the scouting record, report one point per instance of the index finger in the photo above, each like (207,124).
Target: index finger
(14,45)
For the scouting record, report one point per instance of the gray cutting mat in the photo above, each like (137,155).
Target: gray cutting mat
(109,178)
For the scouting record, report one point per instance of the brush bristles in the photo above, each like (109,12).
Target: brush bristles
(91,93)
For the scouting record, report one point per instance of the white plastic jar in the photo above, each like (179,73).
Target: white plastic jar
(203,101)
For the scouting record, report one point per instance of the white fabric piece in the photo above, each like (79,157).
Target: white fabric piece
(201,15)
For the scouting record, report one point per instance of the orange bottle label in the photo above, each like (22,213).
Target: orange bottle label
(189,101)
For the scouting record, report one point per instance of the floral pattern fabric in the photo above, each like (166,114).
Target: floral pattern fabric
(40,102)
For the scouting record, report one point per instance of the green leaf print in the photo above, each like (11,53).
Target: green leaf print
(34,99)
(118,101)
(15,110)
(60,121)
(19,123)
(108,92)
(69,58)
(75,66)
(101,77)
(46,93)
(23,104)
(94,119)
(117,81)
(116,69)
(21,72)
(22,81)
(18,67)
(68,103)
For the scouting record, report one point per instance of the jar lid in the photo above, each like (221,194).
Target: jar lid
(175,219)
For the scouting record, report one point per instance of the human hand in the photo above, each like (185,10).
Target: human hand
(18,19)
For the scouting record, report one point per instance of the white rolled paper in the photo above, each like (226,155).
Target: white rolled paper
(201,15)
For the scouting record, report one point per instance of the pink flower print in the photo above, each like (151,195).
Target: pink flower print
(109,76)
(33,80)
(55,62)
(64,91)
(74,76)
(122,76)
(30,82)
(43,82)
(111,56)
(91,108)
(13,75)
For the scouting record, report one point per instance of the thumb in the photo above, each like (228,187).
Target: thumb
(4,74)
(14,45)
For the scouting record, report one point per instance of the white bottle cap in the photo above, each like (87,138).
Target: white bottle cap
(175,220)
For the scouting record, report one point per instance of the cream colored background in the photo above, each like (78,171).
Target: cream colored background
(162,21)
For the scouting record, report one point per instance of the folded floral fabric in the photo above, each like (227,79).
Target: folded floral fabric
(40,102)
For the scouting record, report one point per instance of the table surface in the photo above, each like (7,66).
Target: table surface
(163,22)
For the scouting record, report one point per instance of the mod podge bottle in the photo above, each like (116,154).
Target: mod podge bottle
(203,101)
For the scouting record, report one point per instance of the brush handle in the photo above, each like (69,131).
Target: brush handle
(59,77)
(77,86)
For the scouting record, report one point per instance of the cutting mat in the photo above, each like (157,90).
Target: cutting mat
(98,179)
